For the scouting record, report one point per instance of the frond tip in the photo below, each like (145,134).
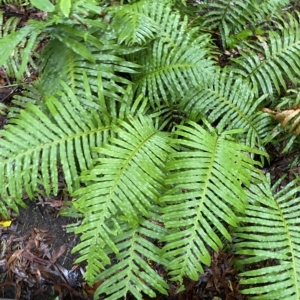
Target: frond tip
(132,272)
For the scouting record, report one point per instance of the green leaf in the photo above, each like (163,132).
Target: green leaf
(244,34)
(66,133)
(77,47)
(65,7)
(132,271)
(44,5)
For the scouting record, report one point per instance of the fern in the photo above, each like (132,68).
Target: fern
(270,231)
(31,157)
(204,192)
(276,63)
(139,22)
(126,182)
(235,18)
(133,273)
(15,65)
(231,104)
(156,143)
(74,65)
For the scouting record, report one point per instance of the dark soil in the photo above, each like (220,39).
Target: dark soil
(37,262)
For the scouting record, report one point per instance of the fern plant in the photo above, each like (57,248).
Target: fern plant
(269,230)
(160,148)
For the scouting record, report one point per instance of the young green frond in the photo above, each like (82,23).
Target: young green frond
(232,19)
(229,18)
(16,53)
(205,193)
(30,157)
(124,183)
(270,231)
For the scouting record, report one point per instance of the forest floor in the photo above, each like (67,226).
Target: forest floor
(35,250)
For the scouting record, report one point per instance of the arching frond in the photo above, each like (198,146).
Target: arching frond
(124,183)
(277,62)
(230,104)
(15,65)
(15,48)
(132,272)
(34,144)
(270,230)
(205,193)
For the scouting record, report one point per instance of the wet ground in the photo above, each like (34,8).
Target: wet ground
(36,260)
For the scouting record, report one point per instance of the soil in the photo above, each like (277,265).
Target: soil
(39,262)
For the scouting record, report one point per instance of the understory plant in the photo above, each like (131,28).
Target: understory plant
(158,114)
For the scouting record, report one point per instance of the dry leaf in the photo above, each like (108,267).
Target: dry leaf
(289,118)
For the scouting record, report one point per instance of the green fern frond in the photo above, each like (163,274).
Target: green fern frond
(15,61)
(132,272)
(175,62)
(139,22)
(226,16)
(69,67)
(230,18)
(125,182)
(14,51)
(270,230)
(229,103)
(275,64)
(34,144)
(30,94)
(206,193)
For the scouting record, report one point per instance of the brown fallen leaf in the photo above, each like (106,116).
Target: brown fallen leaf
(289,118)
(15,255)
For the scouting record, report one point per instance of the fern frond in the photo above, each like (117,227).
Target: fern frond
(270,230)
(139,22)
(229,103)
(15,61)
(34,144)
(30,94)
(276,63)
(133,273)
(174,62)
(69,67)
(230,18)
(206,193)
(125,182)
(14,41)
